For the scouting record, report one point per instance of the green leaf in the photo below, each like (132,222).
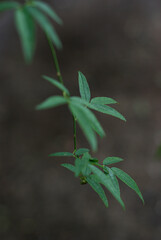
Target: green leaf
(51,102)
(45,25)
(95,178)
(78,166)
(68,166)
(8,5)
(81,167)
(103,100)
(57,84)
(84,87)
(81,151)
(107,110)
(61,154)
(127,180)
(26,30)
(84,124)
(48,10)
(79,100)
(92,120)
(98,189)
(111,160)
(107,182)
(86,155)
(113,179)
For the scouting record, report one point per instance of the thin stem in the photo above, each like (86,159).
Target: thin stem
(55,60)
(61,81)
(74,131)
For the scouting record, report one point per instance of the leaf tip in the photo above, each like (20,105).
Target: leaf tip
(142,199)
(37,107)
(123,118)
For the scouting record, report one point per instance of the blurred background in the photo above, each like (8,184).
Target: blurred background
(117,45)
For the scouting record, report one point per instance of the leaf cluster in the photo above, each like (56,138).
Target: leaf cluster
(86,168)
(81,107)
(26,16)
(97,175)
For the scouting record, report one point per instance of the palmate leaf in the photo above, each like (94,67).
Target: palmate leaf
(112,160)
(45,25)
(94,123)
(51,102)
(107,110)
(61,154)
(127,180)
(84,87)
(26,30)
(107,182)
(81,151)
(68,166)
(57,84)
(103,100)
(98,189)
(47,9)
(84,124)
(8,5)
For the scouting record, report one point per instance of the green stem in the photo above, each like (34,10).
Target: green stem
(55,60)
(61,81)
(74,132)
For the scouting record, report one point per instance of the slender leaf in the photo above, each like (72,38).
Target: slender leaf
(26,29)
(81,167)
(68,166)
(107,110)
(84,87)
(86,155)
(79,100)
(51,102)
(98,189)
(86,171)
(61,154)
(111,160)
(103,100)
(113,179)
(45,25)
(48,10)
(57,84)
(81,151)
(78,167)
(95,178)
(94,123)
(127,180)
(8,5)
(84,124)
(106,181)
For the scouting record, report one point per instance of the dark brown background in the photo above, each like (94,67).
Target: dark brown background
(117,45)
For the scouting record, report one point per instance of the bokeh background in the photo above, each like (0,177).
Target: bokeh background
(117,45)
